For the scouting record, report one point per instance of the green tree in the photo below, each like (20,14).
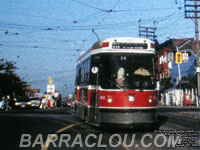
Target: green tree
(188,82)
(10,82)
(165,84)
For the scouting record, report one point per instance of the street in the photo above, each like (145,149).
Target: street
(60,128)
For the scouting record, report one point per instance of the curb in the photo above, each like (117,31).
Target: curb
(183,121)
(177,109)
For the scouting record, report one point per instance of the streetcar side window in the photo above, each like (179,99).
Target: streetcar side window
(87,70)
(83,73)
(78,75)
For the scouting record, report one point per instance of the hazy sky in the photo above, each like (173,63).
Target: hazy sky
(45,37)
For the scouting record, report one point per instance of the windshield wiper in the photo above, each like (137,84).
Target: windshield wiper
(116,84)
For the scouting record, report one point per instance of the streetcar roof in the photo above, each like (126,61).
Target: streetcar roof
(105,46)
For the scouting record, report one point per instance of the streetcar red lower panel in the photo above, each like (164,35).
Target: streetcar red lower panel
(118,107)
(127,107)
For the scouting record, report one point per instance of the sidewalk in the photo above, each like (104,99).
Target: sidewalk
(184,116)
(179,108)
(190,115)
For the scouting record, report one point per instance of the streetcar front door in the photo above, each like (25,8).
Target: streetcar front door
(94,111)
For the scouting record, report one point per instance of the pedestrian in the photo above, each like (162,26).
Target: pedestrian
(56,98)
(44,102)
(49,100)
(8,103)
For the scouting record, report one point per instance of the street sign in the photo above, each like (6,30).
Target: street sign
(38,94)
(178,57)
(185,57)
(170,56)
(198,69)
(50,88)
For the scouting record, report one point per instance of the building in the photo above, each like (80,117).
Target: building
(166,55)
(31,92)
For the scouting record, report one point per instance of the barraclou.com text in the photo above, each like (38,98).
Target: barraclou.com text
(92,140)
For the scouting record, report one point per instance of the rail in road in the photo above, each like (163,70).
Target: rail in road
(61,129)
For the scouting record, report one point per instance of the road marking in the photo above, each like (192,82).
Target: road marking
(121,144)
(67,127)
(49,139)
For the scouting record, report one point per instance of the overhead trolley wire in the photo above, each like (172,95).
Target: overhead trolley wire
(36,47)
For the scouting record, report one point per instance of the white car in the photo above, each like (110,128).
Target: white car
(34,102)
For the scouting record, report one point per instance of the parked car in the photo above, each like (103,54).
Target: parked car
(34,102)
(21,102)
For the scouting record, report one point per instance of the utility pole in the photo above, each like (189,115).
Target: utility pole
(147,32)
(192,11)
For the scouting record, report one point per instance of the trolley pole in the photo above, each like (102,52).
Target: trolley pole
(191,11)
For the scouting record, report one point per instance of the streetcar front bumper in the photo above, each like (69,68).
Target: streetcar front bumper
(127,117)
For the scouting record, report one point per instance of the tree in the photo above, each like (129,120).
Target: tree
(165,84)
(188,82)
(10,83)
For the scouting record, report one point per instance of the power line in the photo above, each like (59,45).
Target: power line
(169,25)
(88,27)
(88,5)
(37,16)
(37,47)
(110,10)
(152,9)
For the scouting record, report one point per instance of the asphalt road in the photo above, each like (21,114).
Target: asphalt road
(60,128)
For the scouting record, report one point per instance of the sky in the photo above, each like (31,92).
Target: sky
(45,37)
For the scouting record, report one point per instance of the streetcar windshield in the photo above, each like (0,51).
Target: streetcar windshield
(130,71)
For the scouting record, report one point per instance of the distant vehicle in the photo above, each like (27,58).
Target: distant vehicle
(34,102)
(66,103)
(21,102)
(69,103)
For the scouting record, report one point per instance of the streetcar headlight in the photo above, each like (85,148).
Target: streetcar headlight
(131,98)
(150,99)
(109,99)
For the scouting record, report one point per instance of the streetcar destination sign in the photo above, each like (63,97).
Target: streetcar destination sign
(117,45)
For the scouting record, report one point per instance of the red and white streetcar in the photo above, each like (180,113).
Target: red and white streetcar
(115,83)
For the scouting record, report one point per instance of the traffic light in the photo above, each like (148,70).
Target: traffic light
(178,57)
